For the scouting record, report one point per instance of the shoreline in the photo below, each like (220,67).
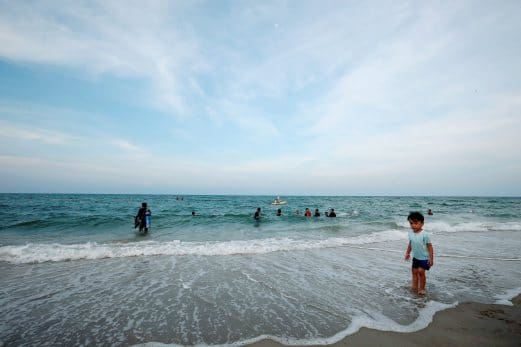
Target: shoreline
(467,324)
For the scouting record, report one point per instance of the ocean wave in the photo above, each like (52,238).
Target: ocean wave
(64,221)
(38,223)
(42,252)
(442,226)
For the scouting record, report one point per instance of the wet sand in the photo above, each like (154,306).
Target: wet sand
(468,324)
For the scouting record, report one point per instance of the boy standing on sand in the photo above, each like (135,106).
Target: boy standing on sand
(423,253)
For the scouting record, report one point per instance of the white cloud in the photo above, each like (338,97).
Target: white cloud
(25,133)
(128,147)
(137,40)
(457,147)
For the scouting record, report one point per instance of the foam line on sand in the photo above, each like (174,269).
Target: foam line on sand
(467,324)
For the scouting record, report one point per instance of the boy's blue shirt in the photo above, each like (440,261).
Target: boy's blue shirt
(419,243)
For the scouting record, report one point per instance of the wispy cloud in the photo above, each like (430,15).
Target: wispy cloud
(137,40)
(25,133)
(129,148)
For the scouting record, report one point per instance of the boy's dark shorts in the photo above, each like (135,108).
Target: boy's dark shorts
(424,264)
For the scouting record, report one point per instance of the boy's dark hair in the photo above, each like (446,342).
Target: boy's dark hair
(415,216)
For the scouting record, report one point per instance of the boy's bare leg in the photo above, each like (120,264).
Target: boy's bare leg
(422,280)
(414,279)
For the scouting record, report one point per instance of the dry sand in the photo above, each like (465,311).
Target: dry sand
(468,324)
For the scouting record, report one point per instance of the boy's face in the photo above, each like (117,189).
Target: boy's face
(416,225)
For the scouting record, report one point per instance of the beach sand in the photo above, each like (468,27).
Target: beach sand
(468,324)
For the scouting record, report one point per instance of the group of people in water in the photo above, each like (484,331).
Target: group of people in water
(142,218)
(307,213)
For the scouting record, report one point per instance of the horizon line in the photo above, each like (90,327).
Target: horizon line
(270,195)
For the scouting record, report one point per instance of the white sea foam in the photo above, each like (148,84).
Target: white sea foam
(444,226)
(40,252)
(378,322)
(506,298)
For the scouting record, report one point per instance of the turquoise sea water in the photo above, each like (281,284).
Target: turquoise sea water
(75,271)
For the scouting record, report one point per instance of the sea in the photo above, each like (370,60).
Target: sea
(74,271)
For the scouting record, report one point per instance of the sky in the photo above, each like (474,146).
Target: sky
(261,97)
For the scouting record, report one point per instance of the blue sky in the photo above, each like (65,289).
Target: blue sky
(261,97)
